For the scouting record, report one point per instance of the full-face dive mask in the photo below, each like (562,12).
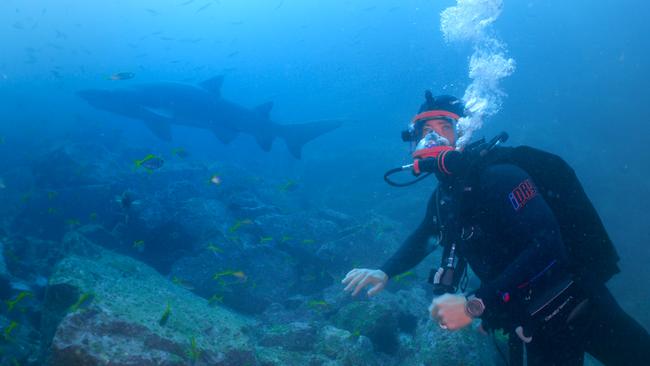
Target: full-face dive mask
(431,134)
(426,137)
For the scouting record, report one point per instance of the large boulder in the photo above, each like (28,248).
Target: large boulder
(409,297)
(253,263)
(367,244)
(204,217)
(247,280)
(299,344)
(435,346)
(294,336)
(345,348)
(375,320)
(111,309)
(399,328)
(423,342)
(98,234)
(247,204)
(280,357)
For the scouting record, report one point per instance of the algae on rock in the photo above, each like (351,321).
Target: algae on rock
(122,322)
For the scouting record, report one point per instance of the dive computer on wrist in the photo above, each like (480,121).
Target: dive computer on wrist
(474,306)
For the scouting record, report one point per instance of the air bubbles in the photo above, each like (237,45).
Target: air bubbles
(470,21)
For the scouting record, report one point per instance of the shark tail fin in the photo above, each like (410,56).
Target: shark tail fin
(297,135)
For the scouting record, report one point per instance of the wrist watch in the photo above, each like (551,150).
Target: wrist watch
(474,306)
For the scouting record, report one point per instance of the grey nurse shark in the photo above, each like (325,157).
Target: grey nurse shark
(162,104)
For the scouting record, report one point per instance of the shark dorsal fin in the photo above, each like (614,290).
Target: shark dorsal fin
(264,109)
(213,85)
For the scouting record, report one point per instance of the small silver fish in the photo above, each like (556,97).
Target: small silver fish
(122,76)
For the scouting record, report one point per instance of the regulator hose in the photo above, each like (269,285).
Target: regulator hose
(401,169)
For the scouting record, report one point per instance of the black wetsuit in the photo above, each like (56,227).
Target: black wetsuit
(513,244)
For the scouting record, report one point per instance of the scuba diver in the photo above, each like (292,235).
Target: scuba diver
(521,220)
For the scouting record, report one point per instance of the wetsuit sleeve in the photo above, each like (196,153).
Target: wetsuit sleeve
(527,228)
(416,247)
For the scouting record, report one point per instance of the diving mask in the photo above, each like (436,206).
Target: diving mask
(431,133)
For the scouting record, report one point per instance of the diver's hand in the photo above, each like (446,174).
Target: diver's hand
(359,278)
(449,311)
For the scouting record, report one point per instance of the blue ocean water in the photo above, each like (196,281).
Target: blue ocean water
(579,89)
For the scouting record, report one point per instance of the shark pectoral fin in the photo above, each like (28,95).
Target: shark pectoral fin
(224,135)
(157,121)
(265,142)
(160,128)
(264,109)
(213,85)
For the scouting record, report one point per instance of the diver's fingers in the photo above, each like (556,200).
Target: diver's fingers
(353,281)
(349,276)
(433,310)
(376,289)
(363,283)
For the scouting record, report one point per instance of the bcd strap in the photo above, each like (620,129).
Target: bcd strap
(453,268)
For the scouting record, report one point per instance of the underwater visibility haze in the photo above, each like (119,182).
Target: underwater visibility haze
(188,182)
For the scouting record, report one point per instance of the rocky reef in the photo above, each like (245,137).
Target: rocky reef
(104,308)
(165,269)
